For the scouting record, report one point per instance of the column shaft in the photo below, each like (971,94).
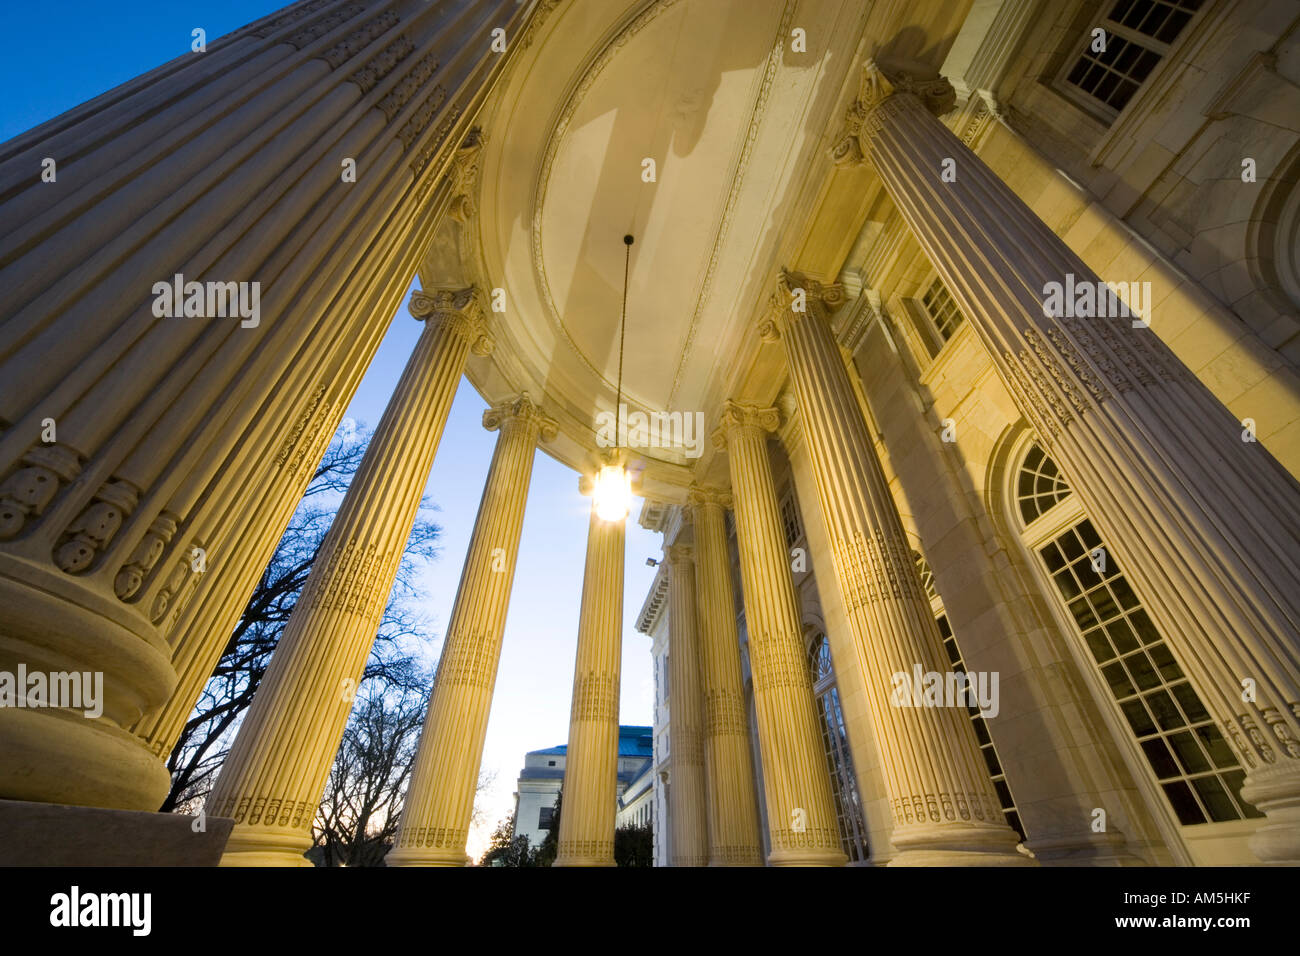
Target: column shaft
(732,800)
(686,714)
(440,799)
(275,773)
(588,808)
(1207,525)
(171,408)
(801,815)
(945,809)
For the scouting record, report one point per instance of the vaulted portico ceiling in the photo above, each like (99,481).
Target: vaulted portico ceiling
(736,124)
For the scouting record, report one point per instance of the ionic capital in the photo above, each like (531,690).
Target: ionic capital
(457,310)
(679,554)
(702,495)
(798,295)
(740,419)
(521,411)
(871,109)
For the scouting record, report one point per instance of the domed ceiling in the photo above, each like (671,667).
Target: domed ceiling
(700,127)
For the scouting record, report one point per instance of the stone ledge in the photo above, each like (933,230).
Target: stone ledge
(51,834)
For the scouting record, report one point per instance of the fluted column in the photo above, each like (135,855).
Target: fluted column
(275,773)
(440,798)
(689,816)
(801,816)
(732,801)
(944,807)
(591,760)
(1207,525)
(134,433)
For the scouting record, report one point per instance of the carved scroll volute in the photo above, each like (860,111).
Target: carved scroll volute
(464,177)
(739,418)
(798,295)
(458,310)
(878,85)
(521,412)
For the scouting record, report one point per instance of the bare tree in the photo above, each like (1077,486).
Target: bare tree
(395,661)
(358,816)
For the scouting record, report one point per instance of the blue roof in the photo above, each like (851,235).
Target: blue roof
(633,741)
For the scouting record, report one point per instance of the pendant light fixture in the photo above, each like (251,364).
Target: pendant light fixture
(613,487)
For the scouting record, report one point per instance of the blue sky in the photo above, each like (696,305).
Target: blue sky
(54,56)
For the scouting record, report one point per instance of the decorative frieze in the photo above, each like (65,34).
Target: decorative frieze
(351,581)
(382,64)
(359,39)
(724,713)
(313,32)
(28,491)
(419,120)
(469,659)
(298,12)
(595,697)
(872,569)
(430,150)
(391,103)
(436,838)
(145,555)
(92,530)
(777,661)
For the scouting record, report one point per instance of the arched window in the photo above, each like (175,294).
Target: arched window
(835,741)
(1191,762)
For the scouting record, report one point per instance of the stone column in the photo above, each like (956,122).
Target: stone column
(800,808)
(440,798)
(275,773)
(588,808)
(1207,525)
(245,533)
(135,425)
(733,808)
(686,708)
(945,810)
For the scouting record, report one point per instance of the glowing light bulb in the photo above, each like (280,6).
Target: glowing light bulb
(613,493)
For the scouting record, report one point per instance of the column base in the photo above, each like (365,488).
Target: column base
(58,757)
(806,858)
(53,625)
(1275,790)
(948,845)
(266,846)
(1092,849)
(426,856)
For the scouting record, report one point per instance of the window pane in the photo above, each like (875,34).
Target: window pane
(1184,804)
(1133,659)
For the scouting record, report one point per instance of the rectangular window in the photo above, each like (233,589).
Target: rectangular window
(790,520)
(982,737)
(943,310)
(545,818)
(1138,35)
